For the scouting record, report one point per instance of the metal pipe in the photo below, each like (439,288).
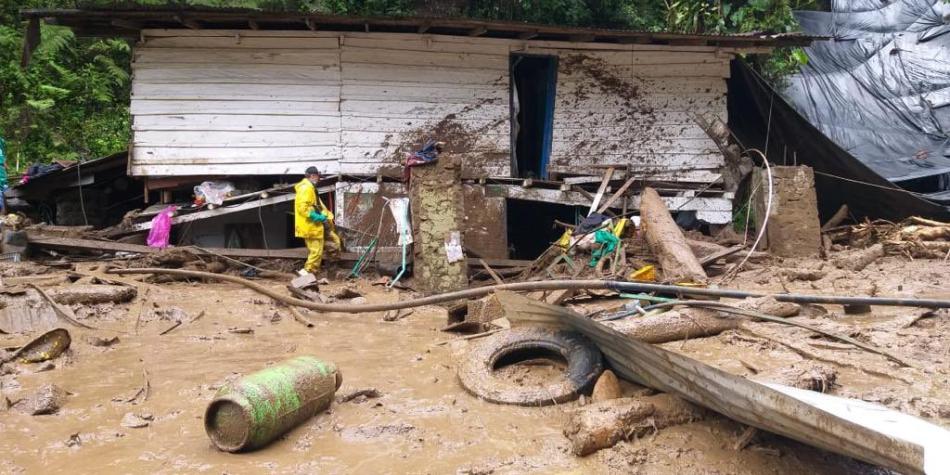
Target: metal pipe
(622,287)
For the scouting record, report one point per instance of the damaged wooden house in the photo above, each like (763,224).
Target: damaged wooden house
(535,116)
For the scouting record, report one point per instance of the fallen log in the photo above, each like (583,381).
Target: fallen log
(667,242)
(675,325)
(602,424)
(856,261)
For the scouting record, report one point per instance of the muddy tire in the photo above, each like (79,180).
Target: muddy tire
(477,369)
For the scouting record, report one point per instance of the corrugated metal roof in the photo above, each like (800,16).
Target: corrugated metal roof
(119,22)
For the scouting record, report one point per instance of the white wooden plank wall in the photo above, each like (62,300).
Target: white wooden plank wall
(399,92)
(636,107)
(229,104)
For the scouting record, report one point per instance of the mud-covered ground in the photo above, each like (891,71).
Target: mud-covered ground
(423,422)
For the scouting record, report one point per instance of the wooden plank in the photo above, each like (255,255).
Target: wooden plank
(208,138)
(97,246)
(237,73)
(286,57)
(237,122)
(389,56)
(623,189)
(223,211)
(600,191)
(242,41)
(142,90)
(421,74)
(232,154)
(296,108)
(191,168)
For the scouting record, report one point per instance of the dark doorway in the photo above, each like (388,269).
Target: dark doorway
(531,227)
(533,79)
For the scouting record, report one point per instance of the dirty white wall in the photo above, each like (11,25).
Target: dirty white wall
(255,102)
(633,105)
(245,102)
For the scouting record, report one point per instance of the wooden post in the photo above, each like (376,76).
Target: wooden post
(667,242)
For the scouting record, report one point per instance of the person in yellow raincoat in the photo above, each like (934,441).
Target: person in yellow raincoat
(310,215)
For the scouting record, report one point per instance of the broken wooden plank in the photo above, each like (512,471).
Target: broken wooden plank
(213,213)
(600,191)
(92,245)
(616,195)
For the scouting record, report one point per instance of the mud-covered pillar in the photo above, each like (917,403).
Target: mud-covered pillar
(793,229)
(436,200)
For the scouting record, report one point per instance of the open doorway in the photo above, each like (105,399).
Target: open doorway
(533,79)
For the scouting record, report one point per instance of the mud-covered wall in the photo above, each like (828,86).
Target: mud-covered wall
(635,107)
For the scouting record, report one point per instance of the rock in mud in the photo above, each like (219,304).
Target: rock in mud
(92,294)
(46,400)
(358,394)
(811,376)
(606,388)
(101,341)
(769,306)
(136,421)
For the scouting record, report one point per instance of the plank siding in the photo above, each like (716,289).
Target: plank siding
(650,98)
(240,102)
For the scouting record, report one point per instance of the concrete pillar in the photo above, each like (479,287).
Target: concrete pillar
(793,229)
(437,207)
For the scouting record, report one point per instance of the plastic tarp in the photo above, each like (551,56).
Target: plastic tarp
(880,89)
(761,119)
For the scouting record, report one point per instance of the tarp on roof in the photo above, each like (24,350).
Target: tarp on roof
(880,89)
(761,119)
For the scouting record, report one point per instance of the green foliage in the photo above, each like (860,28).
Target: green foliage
(71,102)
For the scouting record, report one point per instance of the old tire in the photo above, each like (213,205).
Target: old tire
(584,365)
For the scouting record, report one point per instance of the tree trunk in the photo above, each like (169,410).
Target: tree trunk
(667,242)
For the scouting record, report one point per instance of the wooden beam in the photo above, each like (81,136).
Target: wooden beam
(582,38)
(193,24)
(600,191)
(212,213)
(94,245)
(478,31)
(615,196)
(126,24)
(527,35)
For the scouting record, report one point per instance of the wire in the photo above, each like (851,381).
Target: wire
(82,202)
(768,210)
(883,187)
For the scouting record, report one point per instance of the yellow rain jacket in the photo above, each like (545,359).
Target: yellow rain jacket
(305,201)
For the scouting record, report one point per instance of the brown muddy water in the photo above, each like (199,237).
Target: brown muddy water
(422,423)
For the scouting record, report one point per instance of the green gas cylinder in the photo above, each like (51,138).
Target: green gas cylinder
(256,409)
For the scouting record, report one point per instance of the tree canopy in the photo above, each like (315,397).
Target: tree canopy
(72,102)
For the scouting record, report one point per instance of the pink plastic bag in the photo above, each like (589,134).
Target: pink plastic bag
(161,228)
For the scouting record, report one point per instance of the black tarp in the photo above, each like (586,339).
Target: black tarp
(756,111)
(880,88)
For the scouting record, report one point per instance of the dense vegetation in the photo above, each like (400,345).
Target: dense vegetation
(72,101)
